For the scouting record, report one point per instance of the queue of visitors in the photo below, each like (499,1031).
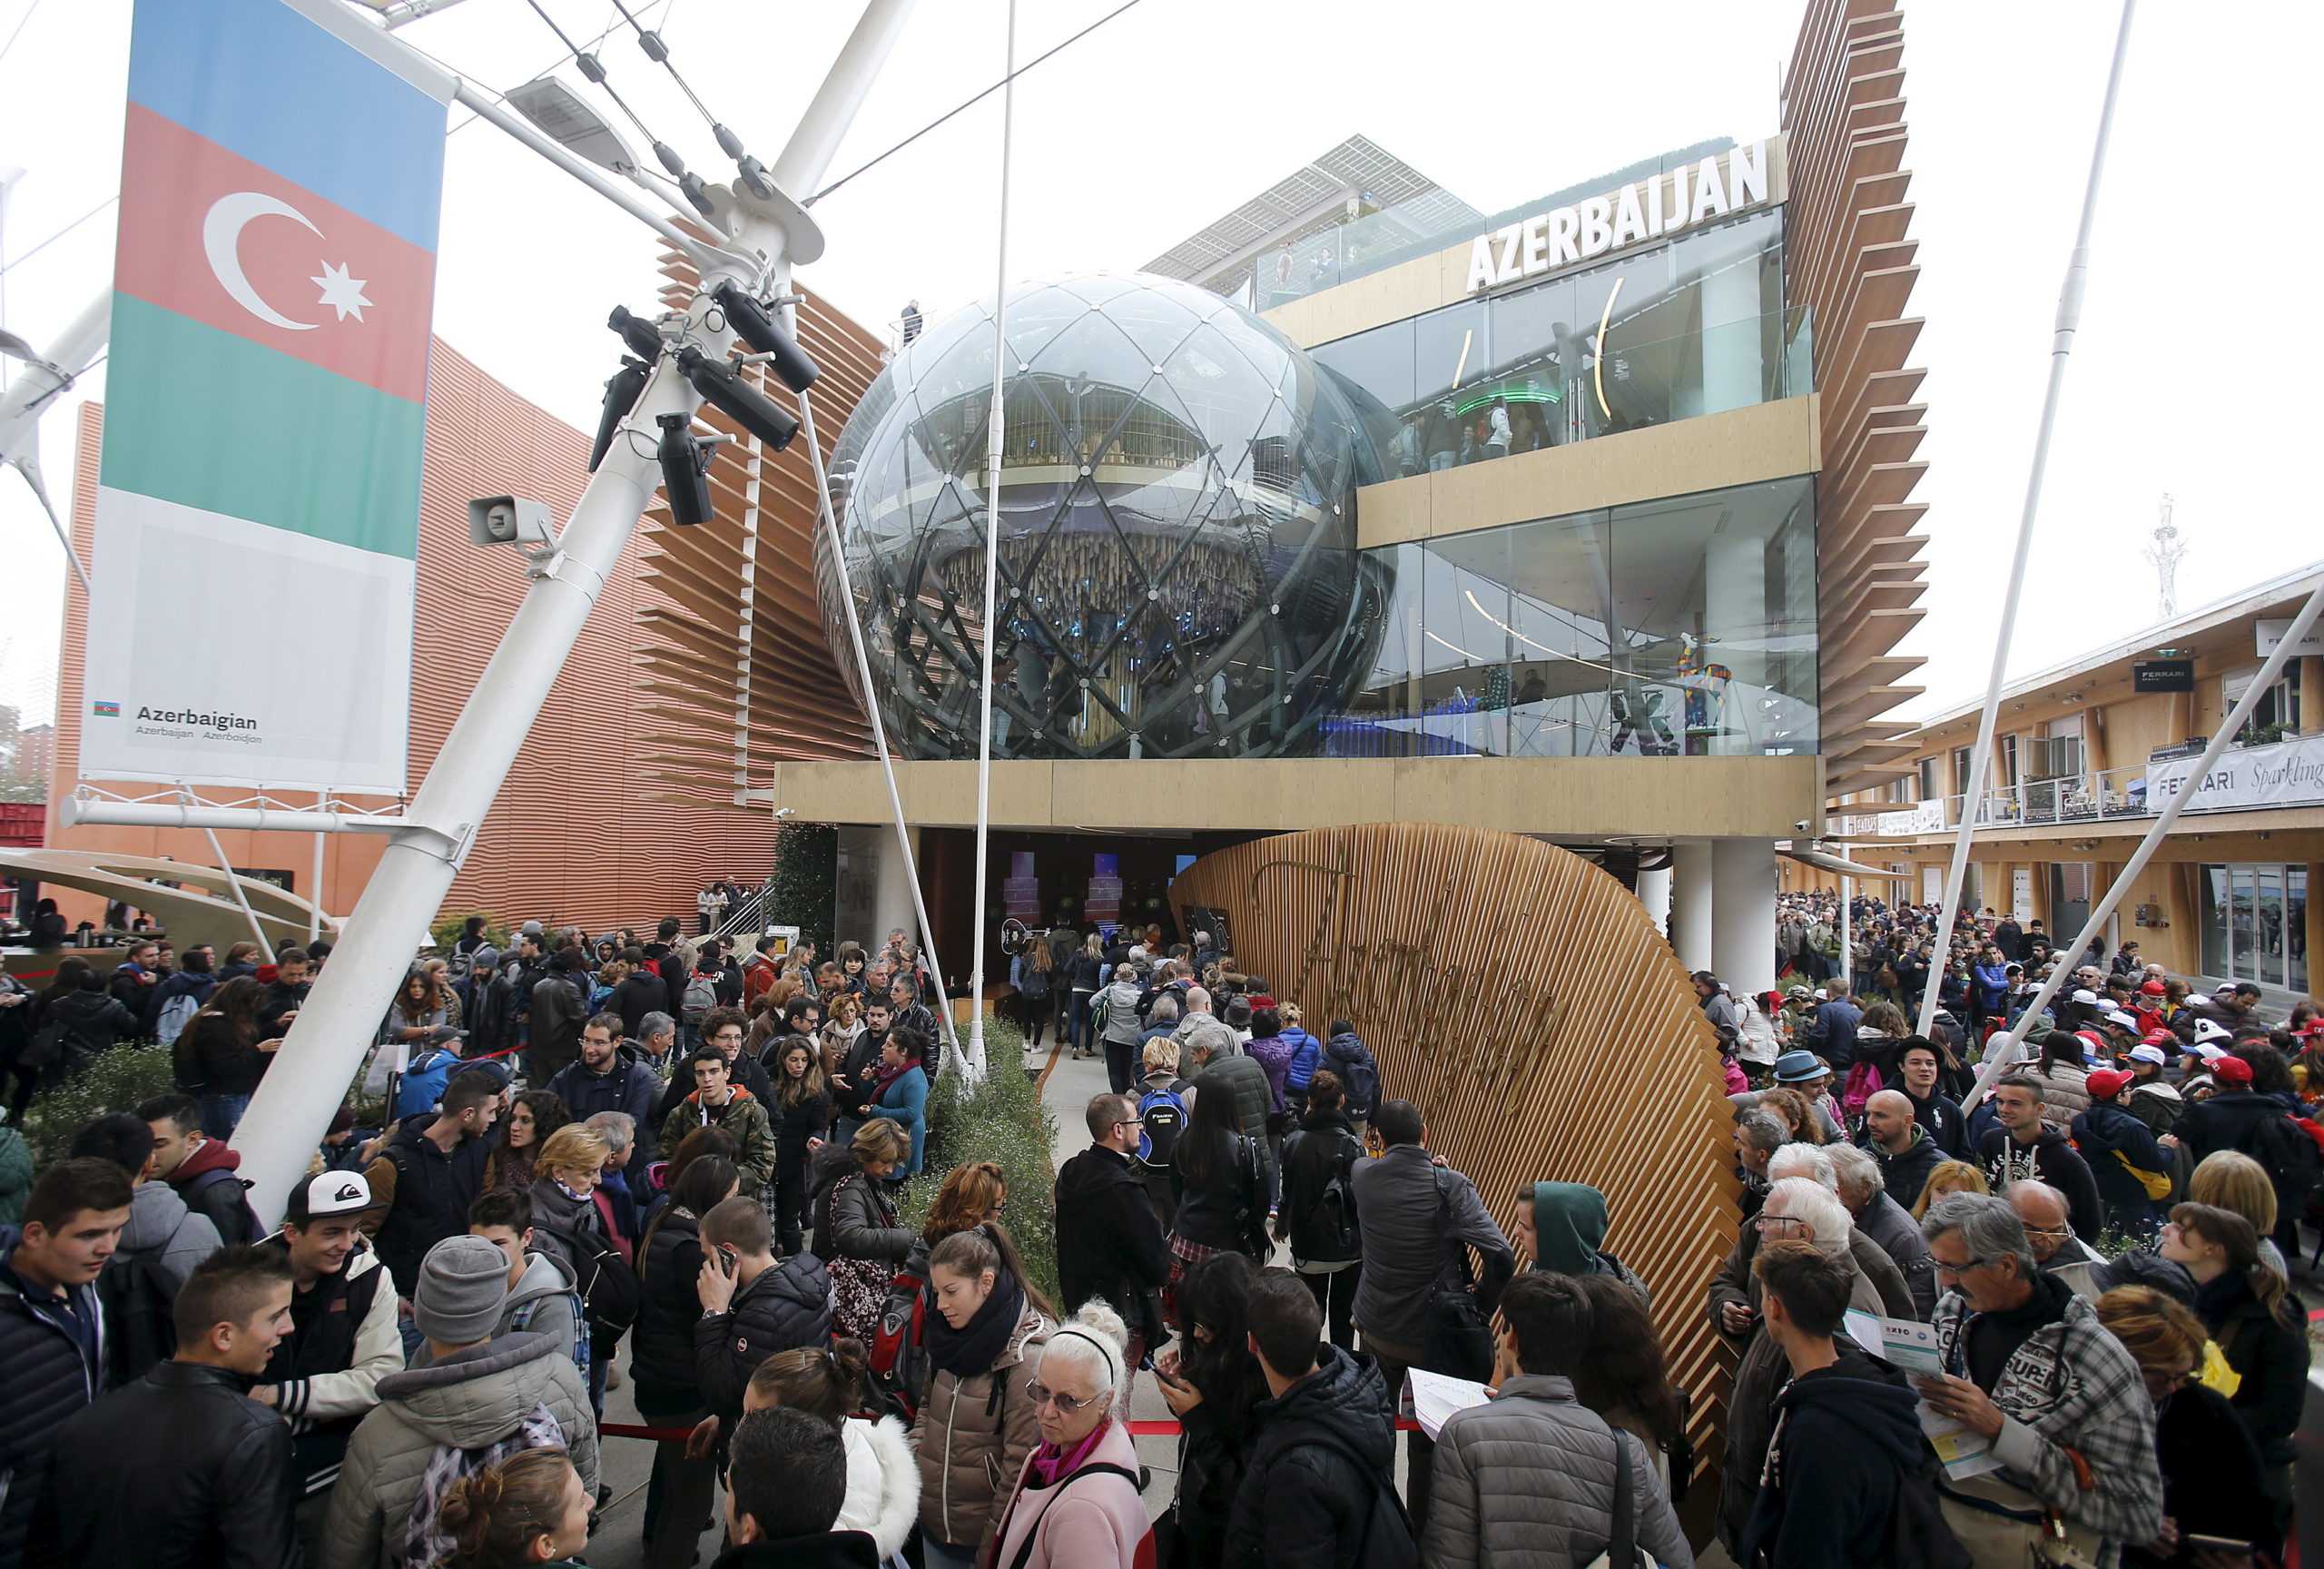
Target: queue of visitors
(711,1160)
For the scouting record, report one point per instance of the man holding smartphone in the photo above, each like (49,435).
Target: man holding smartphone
(752,1305)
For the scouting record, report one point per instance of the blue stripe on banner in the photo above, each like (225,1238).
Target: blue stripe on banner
(262,81)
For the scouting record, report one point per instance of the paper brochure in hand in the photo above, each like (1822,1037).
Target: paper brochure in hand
(1434,1397)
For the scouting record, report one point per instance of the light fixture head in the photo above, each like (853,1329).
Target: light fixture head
(723,387)
(561,114)
(684,467)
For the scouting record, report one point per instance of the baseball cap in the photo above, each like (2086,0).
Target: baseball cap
(2105,1083)
(327,1194)
(2116,1016)
(1799,991)
(2207,1052)
(1798,1067)
(2086,996)
(2158,1038)
(2153,989)
(444,1034)
(2230,1070)
(2205,1030)
(2149,1052)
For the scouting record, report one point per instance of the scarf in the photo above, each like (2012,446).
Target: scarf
(1051,1463)
(1569,1223)
(967,1352)
(887,1076)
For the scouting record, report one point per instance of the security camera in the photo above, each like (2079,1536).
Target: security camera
(1801,826)
(510,520)
(783,812)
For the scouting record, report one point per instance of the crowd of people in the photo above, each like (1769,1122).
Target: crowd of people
(607,1160)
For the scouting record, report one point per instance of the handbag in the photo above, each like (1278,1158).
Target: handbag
(1622,1552)
(1460,1339)
(2157,1185)
(2005,1527)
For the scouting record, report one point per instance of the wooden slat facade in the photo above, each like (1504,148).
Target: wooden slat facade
(1848,255)
(1523,1000)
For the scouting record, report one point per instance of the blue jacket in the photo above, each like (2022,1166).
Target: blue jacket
(1832,1034)
(1991,985)
(1306,1056)
(905,1099)
(2103,1131)
(45,1376)
(627,1086)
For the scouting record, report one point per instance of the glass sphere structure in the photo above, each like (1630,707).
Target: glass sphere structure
(1177,573)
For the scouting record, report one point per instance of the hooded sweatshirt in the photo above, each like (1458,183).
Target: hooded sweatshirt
(471,1398)
(2108,1135)
(2055,1162)
(1569,1223)
(220,1198)
(164,1233)
(1843,1437)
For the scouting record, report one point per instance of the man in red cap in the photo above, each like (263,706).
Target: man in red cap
(2147,1007)
(2131,1169)
(2237,1118)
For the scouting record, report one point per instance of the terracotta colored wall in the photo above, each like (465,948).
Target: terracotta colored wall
(578,835)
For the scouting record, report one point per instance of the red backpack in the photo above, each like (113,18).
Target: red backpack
(898,1370)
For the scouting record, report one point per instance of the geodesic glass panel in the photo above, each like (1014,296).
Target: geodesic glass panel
(1177,573)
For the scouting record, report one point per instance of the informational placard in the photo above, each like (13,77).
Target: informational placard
(258,503)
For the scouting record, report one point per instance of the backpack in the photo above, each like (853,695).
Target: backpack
(47,1044)
(140,1333)
(604,1281)
(186,1070)
(1165,1113)
(1036,985)
(424,1545)
(1329,1226)
(1919,1537)
(699,998)
(1357,1072)
(1863,1084)
(175,1015)
(1101,1008)
(211,1179)
(898,1359)
(1387,1541)
(2283,1148)
(422,1084)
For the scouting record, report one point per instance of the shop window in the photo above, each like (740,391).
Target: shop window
(2255,925)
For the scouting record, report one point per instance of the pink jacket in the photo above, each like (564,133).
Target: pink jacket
(1083,1522)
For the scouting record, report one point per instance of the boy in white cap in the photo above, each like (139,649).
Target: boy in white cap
(324,1375)
(2153,1100)
(476,1393)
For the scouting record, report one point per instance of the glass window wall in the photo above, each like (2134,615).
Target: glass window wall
(2255,925)
(1682,626)
(1694,327)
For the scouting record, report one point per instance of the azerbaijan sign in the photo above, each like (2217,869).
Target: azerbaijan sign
(258,504)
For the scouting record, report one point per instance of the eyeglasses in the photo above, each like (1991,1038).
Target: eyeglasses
(1963,1268)
(1066,1405)
(1130,1122)
(1763,1221)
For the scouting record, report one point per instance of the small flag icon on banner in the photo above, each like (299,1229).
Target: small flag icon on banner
(108,710)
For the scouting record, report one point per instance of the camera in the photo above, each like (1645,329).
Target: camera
(1802,825)
(510,520)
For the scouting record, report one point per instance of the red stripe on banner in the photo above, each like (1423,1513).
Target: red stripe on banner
(180,191)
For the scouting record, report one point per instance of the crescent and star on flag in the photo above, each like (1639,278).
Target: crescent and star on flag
(221,233)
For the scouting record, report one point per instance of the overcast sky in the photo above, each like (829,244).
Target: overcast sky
(1167,117)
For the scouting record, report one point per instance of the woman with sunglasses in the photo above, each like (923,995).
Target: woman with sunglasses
(1077,1504)
(984,1330)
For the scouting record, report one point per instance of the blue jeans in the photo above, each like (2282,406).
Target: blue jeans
(221,1113)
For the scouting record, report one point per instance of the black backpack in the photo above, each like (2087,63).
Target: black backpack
(140,1333)
(1387,1541)
(1918,1534)
(2290,1157)
(604,1279)
(1329,1227)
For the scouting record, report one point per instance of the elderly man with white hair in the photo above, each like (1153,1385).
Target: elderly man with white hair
(2049,1231)
(1881,1220)
(1816,1163)
(1799,1209)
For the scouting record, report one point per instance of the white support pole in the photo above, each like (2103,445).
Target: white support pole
(288,1115)
(1999,1058)
(233,884)
(2069,321)
(992,453)
(1847,944)
(879,724)
(315,883)
(28,397)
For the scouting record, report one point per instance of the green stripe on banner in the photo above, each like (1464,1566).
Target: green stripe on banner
(209,419)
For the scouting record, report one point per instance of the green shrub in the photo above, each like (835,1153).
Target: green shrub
(446,929)
(805,884)
(1001,1121)
(114,1080)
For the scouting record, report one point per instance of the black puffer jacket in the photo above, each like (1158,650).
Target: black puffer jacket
(210,1481)
(1109,1242)
(851,1219)
(1324,1147)
(93,1019)
(1324,1450)
(785,1308)
(661,1347)
(228,1067)
(44,1379)
(2269,1356)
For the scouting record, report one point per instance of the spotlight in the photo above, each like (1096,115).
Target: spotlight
(723,388)
(755,327)
(684,465)
(621,391)
(643,339)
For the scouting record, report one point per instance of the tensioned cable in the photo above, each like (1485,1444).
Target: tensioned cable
(592,68)
(980,98)
(19,33)
(658,51)
(61,234)
(503,98)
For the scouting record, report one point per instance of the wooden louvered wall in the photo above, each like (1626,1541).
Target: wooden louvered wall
(1848,255)
(1523,999)
(732,638)
(577,833)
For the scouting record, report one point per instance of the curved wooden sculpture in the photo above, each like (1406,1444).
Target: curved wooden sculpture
(1525,1002)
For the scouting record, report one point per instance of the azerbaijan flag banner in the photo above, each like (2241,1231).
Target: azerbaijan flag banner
(258,504)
